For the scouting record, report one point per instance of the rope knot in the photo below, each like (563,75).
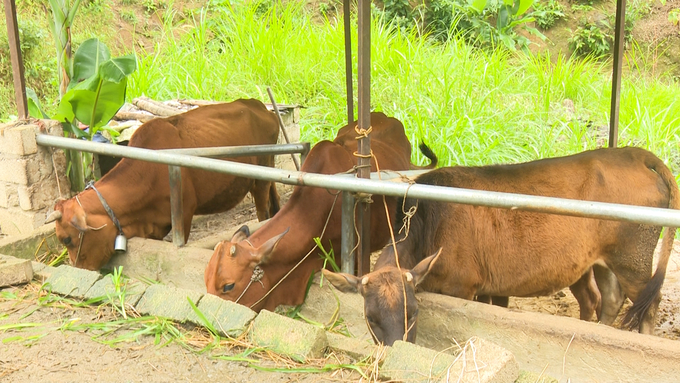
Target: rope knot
(362,133)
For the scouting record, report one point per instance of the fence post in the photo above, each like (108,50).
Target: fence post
(176,205)
(347,243)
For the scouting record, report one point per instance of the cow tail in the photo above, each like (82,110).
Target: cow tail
(427,152)
(649,294)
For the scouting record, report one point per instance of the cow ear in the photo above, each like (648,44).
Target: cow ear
(347,283)
(242,233)
(79,219)
(423,267)
(261,256)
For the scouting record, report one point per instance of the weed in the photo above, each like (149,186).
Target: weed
(129,16)
(129,2)
(581,8)
(547,14)
(590,40)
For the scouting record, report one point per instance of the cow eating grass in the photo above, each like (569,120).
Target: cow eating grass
(269,268)
(467,251)
(135,195)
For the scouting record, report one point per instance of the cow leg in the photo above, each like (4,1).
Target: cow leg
(611,292)
(496,301)
(261,192)
(587,294)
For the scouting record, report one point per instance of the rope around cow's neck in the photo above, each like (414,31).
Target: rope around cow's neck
(296,265)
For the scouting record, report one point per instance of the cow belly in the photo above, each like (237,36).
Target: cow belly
(221,193)
(527,256)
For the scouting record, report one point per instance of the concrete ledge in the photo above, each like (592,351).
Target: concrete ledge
(24,246)
(355,348)
(596,351)
(71,281)
(479,361)
(41,271)
(283,335)
(228,318)
(15,271)
(148,259)
(133,290)
(167,301)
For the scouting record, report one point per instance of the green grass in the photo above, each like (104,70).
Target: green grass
(471,106)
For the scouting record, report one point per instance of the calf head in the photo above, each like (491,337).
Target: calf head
(89,238)
(390,305)
(233,266)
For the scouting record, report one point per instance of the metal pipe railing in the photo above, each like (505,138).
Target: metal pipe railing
(561,206)
(242,151)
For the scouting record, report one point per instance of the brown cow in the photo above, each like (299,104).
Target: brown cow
(270,249)
(138,192)
(499,252)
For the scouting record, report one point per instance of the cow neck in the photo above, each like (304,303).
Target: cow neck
(127,206)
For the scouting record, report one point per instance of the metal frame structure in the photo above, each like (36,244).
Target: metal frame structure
(562,206)
(364,26)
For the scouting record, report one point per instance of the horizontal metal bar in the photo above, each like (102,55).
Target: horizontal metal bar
(645,215)
(242,151)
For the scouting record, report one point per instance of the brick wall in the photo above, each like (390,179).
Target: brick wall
(28,184)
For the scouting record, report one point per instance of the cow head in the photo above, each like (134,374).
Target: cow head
(389,317)
(89,238)
(232,265)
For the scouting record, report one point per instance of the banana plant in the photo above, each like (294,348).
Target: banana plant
(93,96)
(60,24)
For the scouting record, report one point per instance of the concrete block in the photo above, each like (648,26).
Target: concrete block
(228,318)
(18,222)
(4,194)
(355,348)
(283,335)
(25,246)
(20,140)
(15,271)
(39,195)
(168,302)
(14,170)
(478,361)
(42,271)
(162,261)
(532,377)
(71,281)
(129,292)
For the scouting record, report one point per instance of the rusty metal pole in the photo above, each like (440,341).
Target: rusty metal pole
(348,60)
(176,206)
(616,72)
(17,60)
(364,123)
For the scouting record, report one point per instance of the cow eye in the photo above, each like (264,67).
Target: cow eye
(66,241)
(227,288)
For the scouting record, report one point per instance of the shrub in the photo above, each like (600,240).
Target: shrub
(591,40)
(547,14)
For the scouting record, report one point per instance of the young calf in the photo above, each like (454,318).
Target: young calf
(467,251)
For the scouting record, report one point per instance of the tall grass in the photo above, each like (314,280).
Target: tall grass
(471,106)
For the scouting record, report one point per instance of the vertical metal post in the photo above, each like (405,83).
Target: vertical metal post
(17,60)
(348,60)
(176,205)
(281,126)
(616,72)
(364,123)
(348,240)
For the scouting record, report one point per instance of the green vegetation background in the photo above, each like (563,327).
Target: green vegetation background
(472,106)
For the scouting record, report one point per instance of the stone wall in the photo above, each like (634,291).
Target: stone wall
(28,183)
